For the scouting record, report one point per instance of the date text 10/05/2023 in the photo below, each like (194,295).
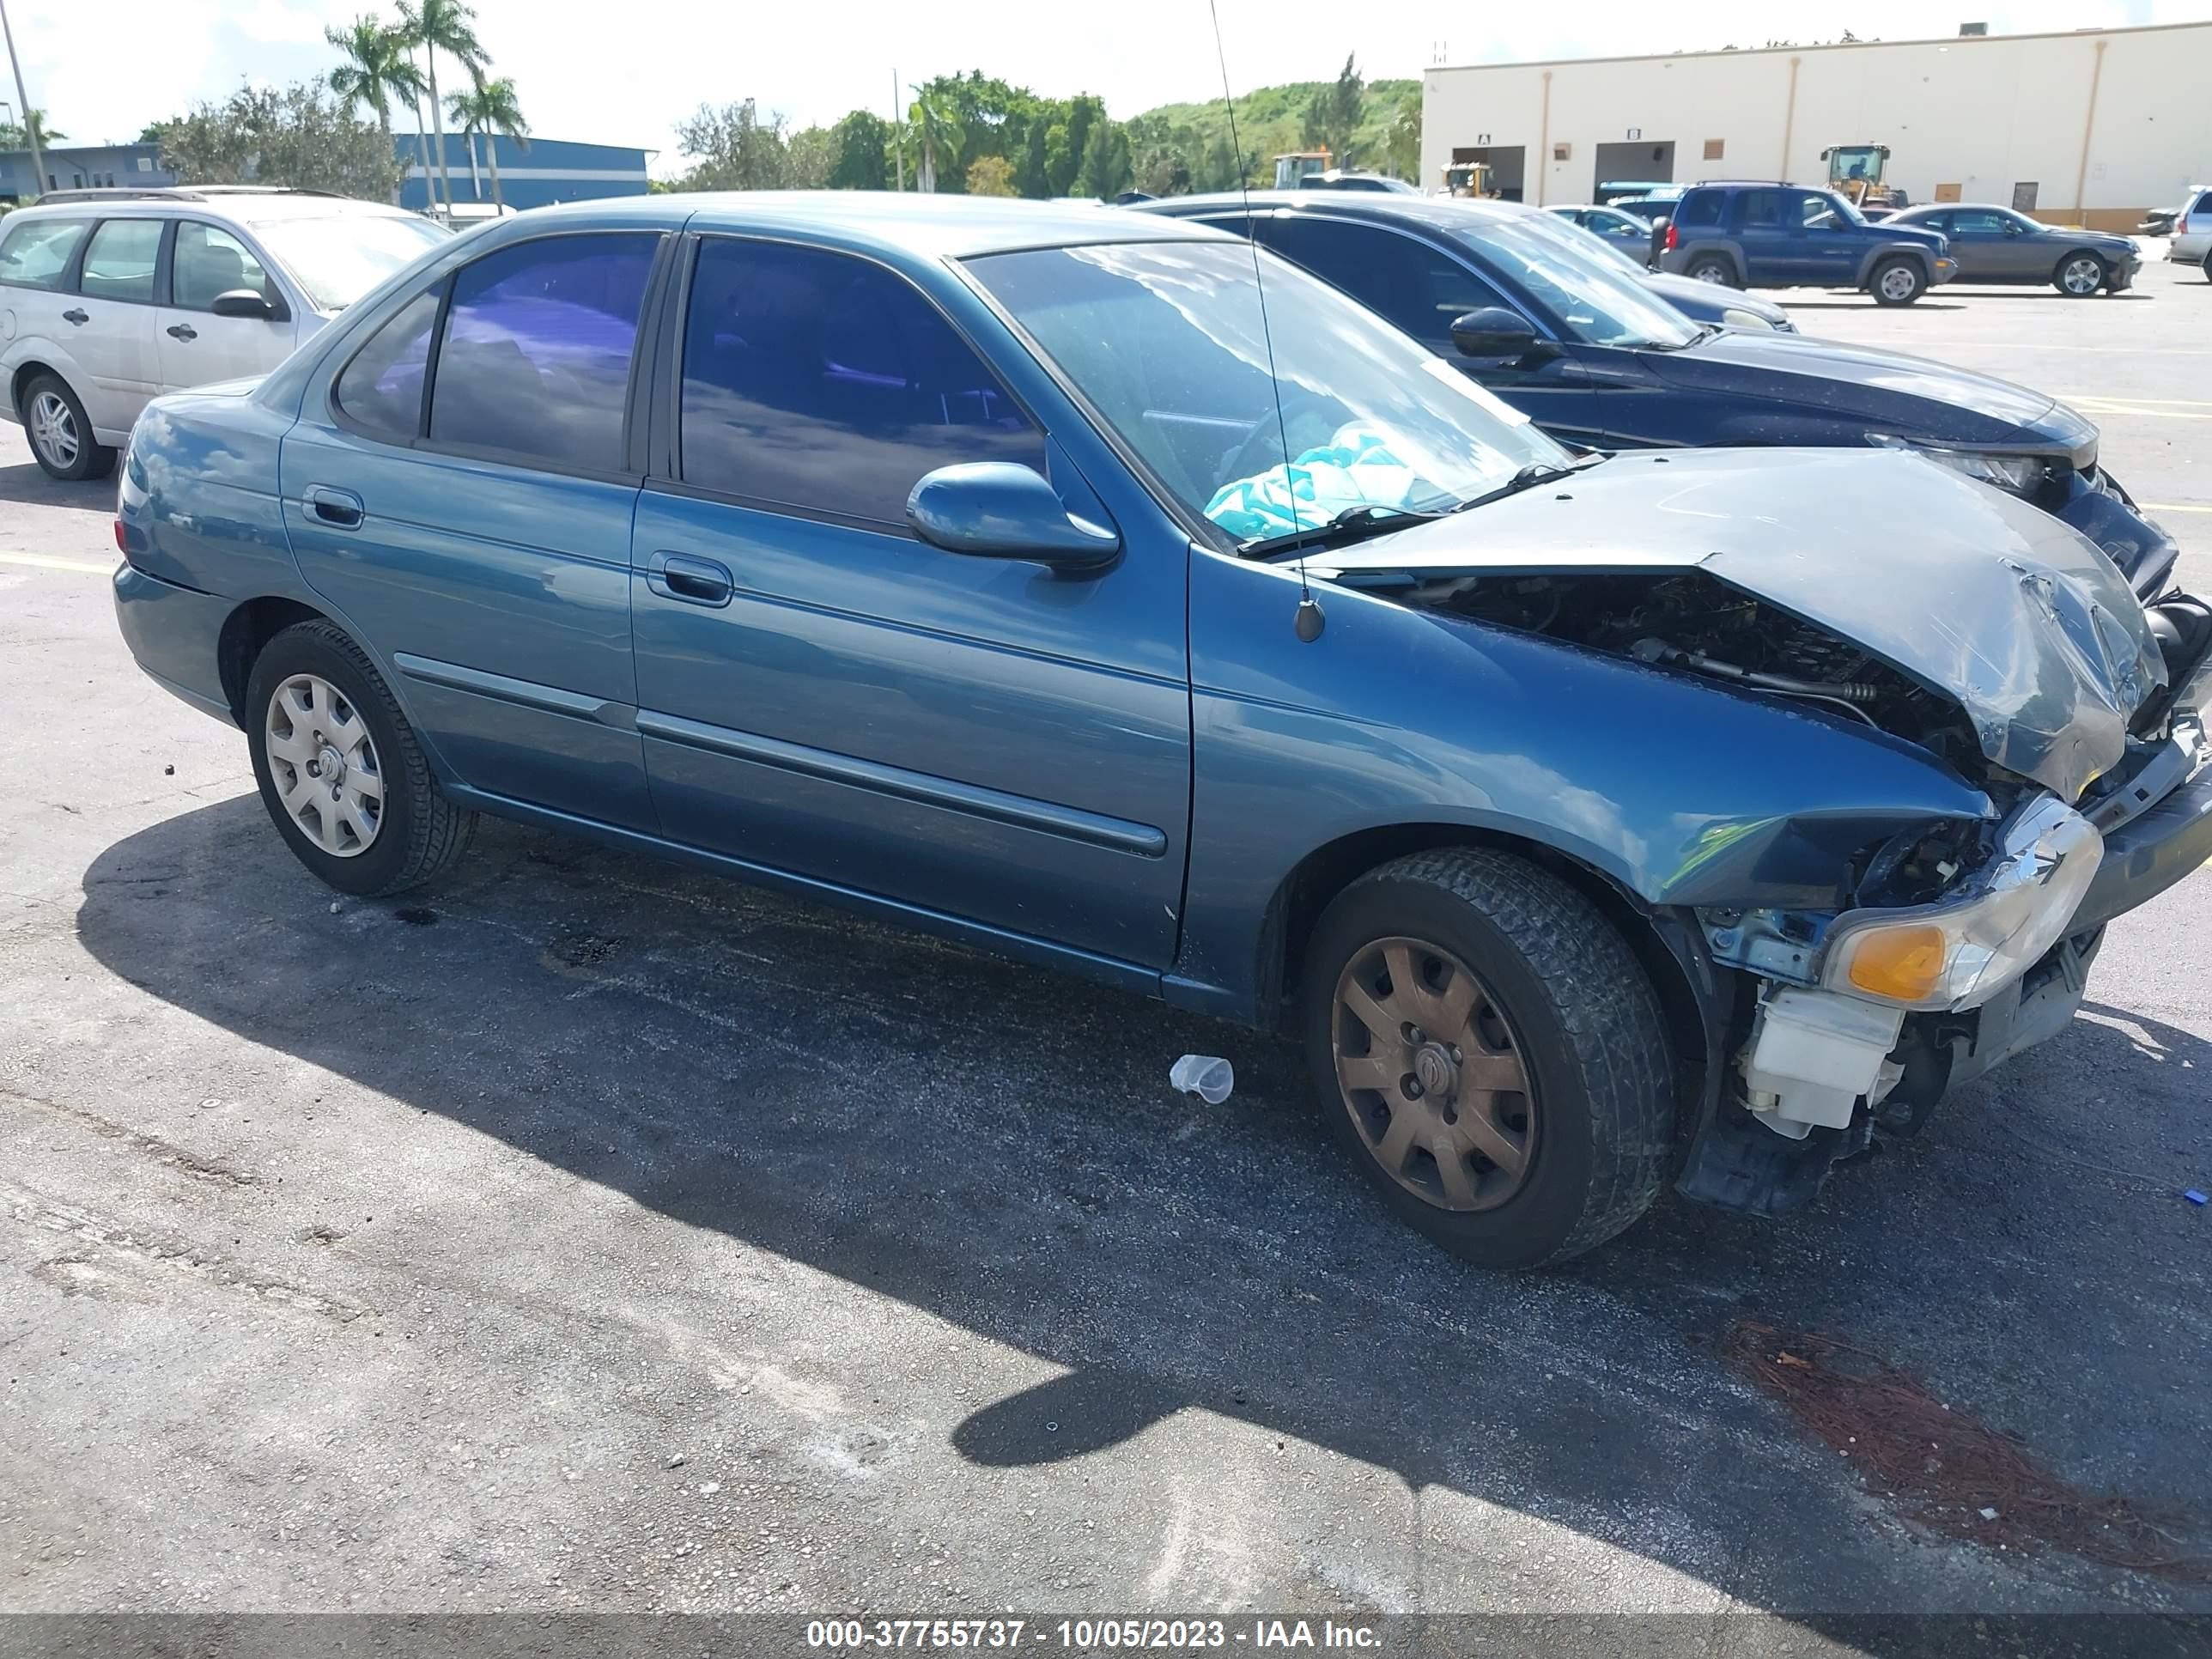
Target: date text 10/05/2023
(1092,1635)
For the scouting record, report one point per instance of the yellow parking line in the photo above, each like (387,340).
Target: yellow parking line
(44,561)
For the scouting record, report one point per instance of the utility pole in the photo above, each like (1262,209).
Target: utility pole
(30,126)
(898,144)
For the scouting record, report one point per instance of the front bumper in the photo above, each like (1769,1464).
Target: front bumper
(1946,269)
(2150,853)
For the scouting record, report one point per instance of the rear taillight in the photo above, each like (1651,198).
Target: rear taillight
(121,544)
(1673,237)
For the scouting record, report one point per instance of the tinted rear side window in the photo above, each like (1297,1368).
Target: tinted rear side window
(535,362)
(1699,207)
(819,381)
(119,262)
(35,255)
(381,389)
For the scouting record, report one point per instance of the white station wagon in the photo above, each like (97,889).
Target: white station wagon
(110,297)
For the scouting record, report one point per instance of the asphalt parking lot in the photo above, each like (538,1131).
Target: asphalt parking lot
(590,1234)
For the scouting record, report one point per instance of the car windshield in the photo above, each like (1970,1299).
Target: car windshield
(339,259)
(1168,343)
(1591,298)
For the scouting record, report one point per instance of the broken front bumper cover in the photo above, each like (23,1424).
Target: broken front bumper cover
(1738,1160)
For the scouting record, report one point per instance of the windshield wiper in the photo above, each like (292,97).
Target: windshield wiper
(1354,524)
(1529,476)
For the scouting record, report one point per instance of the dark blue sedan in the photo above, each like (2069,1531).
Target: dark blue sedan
(1598,359)
(1020,574)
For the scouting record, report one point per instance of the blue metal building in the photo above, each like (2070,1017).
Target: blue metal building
(550,170)
(84,166)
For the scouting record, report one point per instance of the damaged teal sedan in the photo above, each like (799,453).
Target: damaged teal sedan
(1060,581)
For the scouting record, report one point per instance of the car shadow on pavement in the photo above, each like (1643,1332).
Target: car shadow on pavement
(999,1147)
(28,483)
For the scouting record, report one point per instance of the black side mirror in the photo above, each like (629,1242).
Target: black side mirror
(242,302)
(1496,334)
(998,510)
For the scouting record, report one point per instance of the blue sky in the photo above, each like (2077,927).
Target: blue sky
(625,76)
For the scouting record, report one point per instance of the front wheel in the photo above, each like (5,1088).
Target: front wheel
(2080,275)
(340,769)
(1897,282)
(1485,1048)
(60,433)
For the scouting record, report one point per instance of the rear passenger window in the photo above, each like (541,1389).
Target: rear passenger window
(821,382)
(535,362)
(119,264)
(1701,208)
(35,255)
(1763,208)
(381,389)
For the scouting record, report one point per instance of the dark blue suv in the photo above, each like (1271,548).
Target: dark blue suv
(1769,235)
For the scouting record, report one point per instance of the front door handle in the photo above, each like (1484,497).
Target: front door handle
(694,581)
(339,508)
(183,331)
(76,314)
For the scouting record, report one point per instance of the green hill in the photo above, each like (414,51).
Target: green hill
(1271,120)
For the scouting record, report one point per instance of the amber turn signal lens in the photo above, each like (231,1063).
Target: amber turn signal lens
(1902,963)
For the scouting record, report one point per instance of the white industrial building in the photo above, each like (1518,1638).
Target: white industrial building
(2090,127)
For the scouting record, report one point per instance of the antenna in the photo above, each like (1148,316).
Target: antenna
(1309,620)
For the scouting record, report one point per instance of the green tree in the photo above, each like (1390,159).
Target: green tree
(808,155)
(1032,171)
(934,125)
(1106,168)
(450,27)
(1218,169)
(376,70)
(990,175)
(732,148)
(1163,171)
(490,109)
(17,135)
(860,147)
(1333,111)
(1402,143)
(300,137)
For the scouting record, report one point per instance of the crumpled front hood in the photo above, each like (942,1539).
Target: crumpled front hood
(1974,593)
(1891,391)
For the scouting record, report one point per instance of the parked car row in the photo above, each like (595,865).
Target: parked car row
(1096,587)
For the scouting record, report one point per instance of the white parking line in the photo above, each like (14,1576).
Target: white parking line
(2172,506)
(47,561)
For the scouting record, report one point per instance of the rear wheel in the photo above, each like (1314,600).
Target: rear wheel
(341,771)
(1718,271)
(1897,282)
(60,435)
(2080,275)
(1487,1050)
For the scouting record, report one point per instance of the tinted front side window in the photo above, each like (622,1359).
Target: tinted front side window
(209,260)
(536,358)
(35,255)
(381,388)
(816,380)
(1980,220)
(1412,285)
(119,264)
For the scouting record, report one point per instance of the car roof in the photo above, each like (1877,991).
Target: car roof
(1437,212)
(244,207)
(949,227)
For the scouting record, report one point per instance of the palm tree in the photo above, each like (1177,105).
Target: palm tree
(32,132)
(490,109)
(376,69)
(450,27)
(937,130)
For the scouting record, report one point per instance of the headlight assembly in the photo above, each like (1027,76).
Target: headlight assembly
(2020,475)
(1961,952)
(1736,318)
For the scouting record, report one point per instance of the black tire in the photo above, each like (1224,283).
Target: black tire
(93,460)
(1712,267)
(2206,266)
(2083,288)
(1581,1017)
(421,834)
(1888,288)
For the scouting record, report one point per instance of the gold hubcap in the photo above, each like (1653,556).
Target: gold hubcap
(1433,1076)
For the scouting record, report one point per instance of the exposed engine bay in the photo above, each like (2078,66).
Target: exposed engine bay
(1692,623)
